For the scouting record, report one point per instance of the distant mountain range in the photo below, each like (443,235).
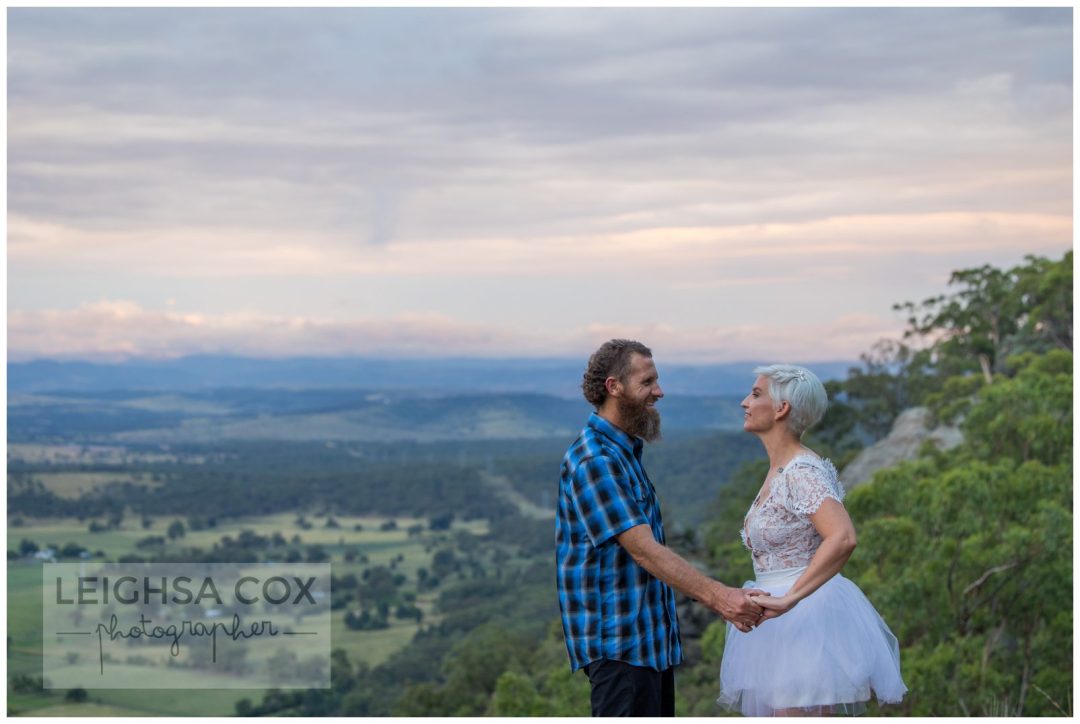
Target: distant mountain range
(558,377)
(227,414)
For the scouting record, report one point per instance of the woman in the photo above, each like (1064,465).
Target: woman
(819,647)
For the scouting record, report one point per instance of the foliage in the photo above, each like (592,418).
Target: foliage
(176,530)
(950,340)
(993,315)
(983,611)
(545,687)
(687,470)
(287,476)
(966,554)
(1028,417)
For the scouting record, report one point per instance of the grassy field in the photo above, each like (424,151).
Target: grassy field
(176,403)
(74,485)
(90,454)
(406,553)
(500,484)
(380,546)
(84,709)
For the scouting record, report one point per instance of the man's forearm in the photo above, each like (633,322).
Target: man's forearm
(671,568)
(677,572)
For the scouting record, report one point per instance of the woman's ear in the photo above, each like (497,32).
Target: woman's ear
(784,411)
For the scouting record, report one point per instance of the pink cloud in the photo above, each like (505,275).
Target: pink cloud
(120,329)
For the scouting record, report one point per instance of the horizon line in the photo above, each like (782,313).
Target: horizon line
(107,361)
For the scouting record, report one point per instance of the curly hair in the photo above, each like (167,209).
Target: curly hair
(611,360)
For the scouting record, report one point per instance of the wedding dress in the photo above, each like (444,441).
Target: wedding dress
(832,649)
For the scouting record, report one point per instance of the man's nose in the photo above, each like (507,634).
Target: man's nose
(657,392)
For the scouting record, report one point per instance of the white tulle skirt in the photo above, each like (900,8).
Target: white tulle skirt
(825,655)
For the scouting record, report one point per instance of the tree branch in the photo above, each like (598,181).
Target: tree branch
(982,579)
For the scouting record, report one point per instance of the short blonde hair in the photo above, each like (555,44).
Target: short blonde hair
(801,389)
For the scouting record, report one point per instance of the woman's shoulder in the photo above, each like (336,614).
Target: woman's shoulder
(808,471)
(810,460)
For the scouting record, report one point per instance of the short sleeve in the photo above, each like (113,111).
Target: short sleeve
(604,499)
(806,487)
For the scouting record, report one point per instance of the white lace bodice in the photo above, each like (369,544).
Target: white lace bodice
(777,529)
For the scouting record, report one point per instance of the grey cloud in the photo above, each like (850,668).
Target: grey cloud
(471,122)
(481,61)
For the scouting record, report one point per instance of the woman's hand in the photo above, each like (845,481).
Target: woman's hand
(773,606)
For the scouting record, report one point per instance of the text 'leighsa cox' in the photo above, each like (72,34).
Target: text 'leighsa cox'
(246,590)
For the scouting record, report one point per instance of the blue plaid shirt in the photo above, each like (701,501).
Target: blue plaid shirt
(611,607)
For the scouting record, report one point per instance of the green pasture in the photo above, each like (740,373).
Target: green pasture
(25,657)
(24,608)
(308,427)
(56,532)
(406,553)
(134,702)
(372,424)
(78,710)
(380,546)
(502,487)
(75,485)
(375,647)
(176,403)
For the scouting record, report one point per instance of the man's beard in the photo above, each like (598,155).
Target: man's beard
(639,420)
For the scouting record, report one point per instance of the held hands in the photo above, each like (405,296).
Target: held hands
(739,606)
(774,606)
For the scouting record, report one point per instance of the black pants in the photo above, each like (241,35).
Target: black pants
(621,689)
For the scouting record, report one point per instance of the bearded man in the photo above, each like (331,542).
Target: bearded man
(615,575)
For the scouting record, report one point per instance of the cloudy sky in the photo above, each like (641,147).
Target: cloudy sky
(723,184)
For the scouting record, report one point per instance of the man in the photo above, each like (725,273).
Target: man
(615,575)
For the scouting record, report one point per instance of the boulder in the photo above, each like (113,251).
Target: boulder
(909,432)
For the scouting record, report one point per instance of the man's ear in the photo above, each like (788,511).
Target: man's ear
(613,387)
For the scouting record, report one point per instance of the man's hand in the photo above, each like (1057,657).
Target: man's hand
(735,605)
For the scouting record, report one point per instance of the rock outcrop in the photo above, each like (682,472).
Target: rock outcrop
(909,432)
